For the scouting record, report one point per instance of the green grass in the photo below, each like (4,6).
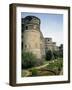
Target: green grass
(56,66)
(46,69)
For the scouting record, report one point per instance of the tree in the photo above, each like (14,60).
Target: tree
(49,55)
(61,47)
(56,54)
(28,60)
(61,51)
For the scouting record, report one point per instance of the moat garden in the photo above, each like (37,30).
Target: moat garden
(51,65)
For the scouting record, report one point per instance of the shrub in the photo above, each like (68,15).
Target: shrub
(28,60)
(56,54)
(49,55)
(34,72)
(56,66)
(61,53)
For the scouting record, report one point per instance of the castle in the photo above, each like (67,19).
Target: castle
(33,39)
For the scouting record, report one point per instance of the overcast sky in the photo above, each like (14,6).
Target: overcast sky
(51,25)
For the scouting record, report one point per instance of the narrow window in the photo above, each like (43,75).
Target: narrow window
(48,40)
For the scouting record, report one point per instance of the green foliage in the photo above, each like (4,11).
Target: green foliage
(61,53)
(56,54)
(56,65)
(49,55)
(28,60)
(34,72)
(61,47)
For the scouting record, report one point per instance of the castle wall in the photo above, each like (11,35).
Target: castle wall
(42,45)
(31,39)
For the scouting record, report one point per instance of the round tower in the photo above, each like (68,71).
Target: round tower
(31,35)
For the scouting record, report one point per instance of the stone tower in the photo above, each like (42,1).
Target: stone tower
(54,46)
(48,44)
(31,35)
